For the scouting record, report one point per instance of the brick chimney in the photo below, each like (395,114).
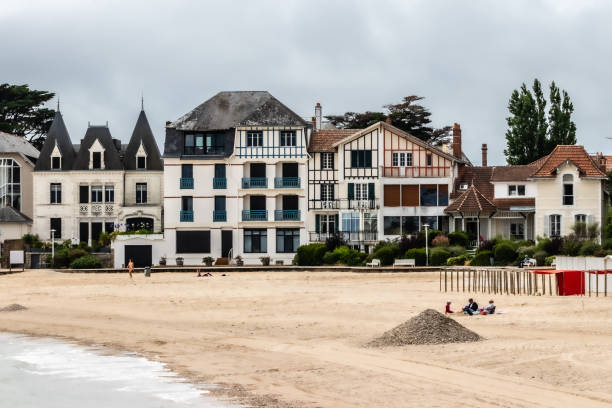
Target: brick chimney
(318,116)
(484,155)
(457,141)
(314,124)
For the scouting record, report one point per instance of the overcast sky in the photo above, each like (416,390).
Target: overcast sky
(465,57)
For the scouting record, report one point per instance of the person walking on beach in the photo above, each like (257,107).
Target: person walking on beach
(131,268)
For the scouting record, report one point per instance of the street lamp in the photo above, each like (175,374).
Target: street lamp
(52,245)
(426,245)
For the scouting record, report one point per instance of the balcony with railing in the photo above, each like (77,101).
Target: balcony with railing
(254,182)
(254,215)
(348,236)
(286,215)
(360,204)
(219,216)
(186,183)
(416,171)
(287,182)
(186,216)
(219,183)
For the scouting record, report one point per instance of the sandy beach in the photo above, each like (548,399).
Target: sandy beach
(295,339)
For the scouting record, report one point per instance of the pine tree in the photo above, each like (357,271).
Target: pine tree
(523,127)
(562,128)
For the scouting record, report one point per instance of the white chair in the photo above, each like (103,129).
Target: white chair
(375,262)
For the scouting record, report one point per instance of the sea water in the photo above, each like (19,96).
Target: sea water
(48,373)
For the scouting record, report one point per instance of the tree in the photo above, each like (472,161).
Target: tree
(530,133)
(406,115)
(21,112)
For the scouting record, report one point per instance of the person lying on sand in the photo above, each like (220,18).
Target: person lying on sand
(471,307)
(490,309)
(448,309)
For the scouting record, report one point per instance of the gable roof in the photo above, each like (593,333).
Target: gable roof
(325,139)
(478,176)
(471,201)
(10,143)
(513,173)
(568,153)
(9,214)
(231,109)
(57,134)
(142,134)
(112,161)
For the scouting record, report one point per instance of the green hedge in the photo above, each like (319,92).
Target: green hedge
(589,248)
(330,258)
(385,255)
(504,253)
(459,238)
(482,259)
(348,256)
(456,260)
(438,256)
(418,254)
(65,257)
(86,262)
(310,255)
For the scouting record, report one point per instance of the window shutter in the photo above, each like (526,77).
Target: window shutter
(317,221)
(371,192)
(368,158)
(351,191)
(547,226)
(336,224)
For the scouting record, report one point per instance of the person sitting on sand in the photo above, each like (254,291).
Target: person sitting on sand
(490,309)
(471,307)
(448,309)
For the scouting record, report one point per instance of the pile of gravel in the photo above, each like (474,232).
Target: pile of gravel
(15,307)
(428,327)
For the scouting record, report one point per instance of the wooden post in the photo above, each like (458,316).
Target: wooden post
(452,282)
(605,275)
(440,280)
(589,285)
(457,281)
(463,279)
(543,284)
(597,285)
(550,292)
(445,280)
(469,280)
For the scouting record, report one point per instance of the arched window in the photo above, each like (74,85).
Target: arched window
(568,189)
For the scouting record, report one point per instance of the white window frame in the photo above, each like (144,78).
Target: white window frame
(517,234)
(580,218)
(516,189)
(327,191)
(361,191)
(55,188)
(108,189)
(554,225)
(327,160)
(60,162)
(99,194)
(401,159)
(145,162)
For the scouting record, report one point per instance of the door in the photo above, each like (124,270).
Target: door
(290,170)
(141,255)
(258,170)
(258,203)
(290,202)
(84,232)
(96,230)
(226,243)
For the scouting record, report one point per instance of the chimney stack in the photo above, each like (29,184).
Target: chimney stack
(318,116)
(314,124)
(457,141)
(484,155)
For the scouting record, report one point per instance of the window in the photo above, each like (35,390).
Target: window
(326,223)
(96,194)
(254,138)
(207,143)
(186,170)
(287,138)
(432,221)
(215,143)
(361,191)
(361,158)
(10,184)
(56,162)
(428,159)
(370,223)
(392,226)
(395,159)
(429,195)
(219,203)
(463,186)
(327,161)
(580,218)
(442,194)
(189,144)
(83,194)
(401,159)
(96,160)
(109,194)
(287,240)
(141,193)
(516,190)
(56,228)
(220,170)
(517,231)
(186,203)
(410,225)
(141,162)
(568,189)
(56,193)
(192,242)
(555,225)
(350,222)
(327,192)
(109,226)
(255,240)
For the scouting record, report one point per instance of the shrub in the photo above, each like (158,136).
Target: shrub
(601,253)
(330,258)
(589,248)
(310,255)
(65,257)
(385,254)
(486,245)
(208,260)
(549,260)
(86,262)
(440,241)
(393,245)
(432,234)
(265,260)
(105,239)
(334,241)
(504,253)
(439,256)
(30,240)
(607,243)
(571,245)
(525,243)
(456,260)
(459,238)
(540,257)
(418,254)
(482,258)
(456,250)
(348,256)
(526,251)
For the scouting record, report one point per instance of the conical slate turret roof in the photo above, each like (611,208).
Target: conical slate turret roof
(112,160)
(58,134)
(142,134)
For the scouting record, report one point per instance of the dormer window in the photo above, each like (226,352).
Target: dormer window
(56,163)
(463,187)
(568,189)
(96,160)
(516,190)
(141,162)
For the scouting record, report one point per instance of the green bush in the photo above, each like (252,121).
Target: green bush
(393,245)
(86,262)
(459,238)
(330,258)
(571,246)
(418,254)
(456,250)
(64,257)
(482,259)
(540,257)
(549,260)
(438,256)
(504,253)
(386,255)
(440,241)
(456,260)
(607,244)
(348,256)
(310,255)
(526,251)
(602,252)
(525,243)
(589,248)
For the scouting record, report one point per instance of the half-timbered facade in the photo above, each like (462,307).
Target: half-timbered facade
(235,180)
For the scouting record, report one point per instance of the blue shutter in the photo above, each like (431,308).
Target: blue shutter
(317,222)
(371,193)
(351,191)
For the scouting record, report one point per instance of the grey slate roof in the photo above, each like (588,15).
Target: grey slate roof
(112,160)
(57,133)
(228,110)
(9,214)
(17,144)
(142,134)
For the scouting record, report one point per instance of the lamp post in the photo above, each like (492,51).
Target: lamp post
(52,245)
(426,226)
